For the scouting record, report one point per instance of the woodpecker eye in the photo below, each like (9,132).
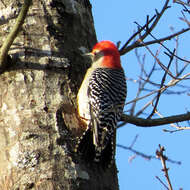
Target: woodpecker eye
(95,53)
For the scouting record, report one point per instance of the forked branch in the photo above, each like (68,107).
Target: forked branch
(154,20)
(148,29)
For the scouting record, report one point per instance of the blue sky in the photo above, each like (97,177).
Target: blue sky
(114,20)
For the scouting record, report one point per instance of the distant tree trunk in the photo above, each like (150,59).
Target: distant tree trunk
(38,121)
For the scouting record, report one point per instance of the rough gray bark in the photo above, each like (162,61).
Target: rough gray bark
(38,121)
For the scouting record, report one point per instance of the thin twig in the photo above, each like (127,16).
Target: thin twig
(173,82)
(184,30)
(161,85)
(178,128)
(142,84)
(144,107)
(185,20)
(159,62)
(161,182)
(181,2)
(163,158)
(134,35)
(134,141)
(148,157)
(13,34)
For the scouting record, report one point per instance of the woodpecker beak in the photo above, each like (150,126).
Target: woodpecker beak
(91,55)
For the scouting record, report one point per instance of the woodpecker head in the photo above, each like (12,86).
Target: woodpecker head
(105,55)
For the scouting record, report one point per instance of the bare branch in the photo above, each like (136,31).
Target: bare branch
(156,40)
(159,62)
(141,82)
(171,83)
(185,19)
(129,48)
(157,17)
(161,85)
(133,37)
(177,127)
(163,158)
(141,122)
(148,157)
(13,34)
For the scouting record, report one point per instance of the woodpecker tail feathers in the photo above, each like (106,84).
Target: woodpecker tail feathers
(93,150)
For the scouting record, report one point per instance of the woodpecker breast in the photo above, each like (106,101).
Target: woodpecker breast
(83,99)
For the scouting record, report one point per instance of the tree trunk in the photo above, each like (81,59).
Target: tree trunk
(38,119)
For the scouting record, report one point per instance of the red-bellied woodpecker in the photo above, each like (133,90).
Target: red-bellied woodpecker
(100,100)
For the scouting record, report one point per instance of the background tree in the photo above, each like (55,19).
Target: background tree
(39,83)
